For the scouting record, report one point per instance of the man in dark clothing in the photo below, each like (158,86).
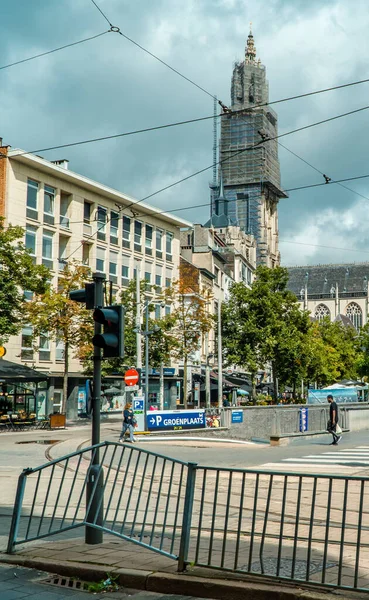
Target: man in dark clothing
(333,420)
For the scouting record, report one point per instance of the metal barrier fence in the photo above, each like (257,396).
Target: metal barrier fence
(306,528)
(143,493)
(287,526)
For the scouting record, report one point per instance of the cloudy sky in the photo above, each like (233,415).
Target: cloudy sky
(108,85)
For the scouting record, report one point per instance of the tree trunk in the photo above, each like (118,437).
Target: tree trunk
(63,407)
(294,389)
(185,368)
(253,383)
(275,391)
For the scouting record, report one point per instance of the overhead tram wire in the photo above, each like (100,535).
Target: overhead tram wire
(117,29)
(287,99)
(183,208)
(24,60)
(321,172)
(158,127)
(249,148)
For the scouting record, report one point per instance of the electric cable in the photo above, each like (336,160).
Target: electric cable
(313,185)
(24,60)
(119,135)
(321,172)
(321,246)
(287,99)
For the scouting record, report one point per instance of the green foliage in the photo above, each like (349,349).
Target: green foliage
(18,274)
(265,326)
(54,313)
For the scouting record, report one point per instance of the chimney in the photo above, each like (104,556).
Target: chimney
(63,163)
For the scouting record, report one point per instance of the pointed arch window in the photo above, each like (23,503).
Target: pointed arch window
(355,314)
(321,312)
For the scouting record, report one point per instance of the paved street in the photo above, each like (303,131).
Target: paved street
(224,505)
(18,583)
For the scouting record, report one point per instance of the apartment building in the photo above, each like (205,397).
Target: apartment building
(221,256)
(67,216)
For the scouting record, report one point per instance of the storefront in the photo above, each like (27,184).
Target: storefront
(23,392)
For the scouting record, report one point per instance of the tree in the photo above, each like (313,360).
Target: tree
(191,318)
(263,325)
(18,274)
(63,319)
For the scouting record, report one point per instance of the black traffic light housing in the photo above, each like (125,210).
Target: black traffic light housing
(86,295)
(112,338)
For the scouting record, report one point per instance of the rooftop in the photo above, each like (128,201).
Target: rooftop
(47,166)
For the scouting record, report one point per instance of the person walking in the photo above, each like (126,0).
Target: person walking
(333,426)
(128,423)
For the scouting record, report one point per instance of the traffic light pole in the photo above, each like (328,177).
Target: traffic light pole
(92,535)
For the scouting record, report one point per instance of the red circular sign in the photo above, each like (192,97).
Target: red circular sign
(131,377)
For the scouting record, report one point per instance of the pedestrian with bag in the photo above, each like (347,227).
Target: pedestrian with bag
(129,423)
(332,425)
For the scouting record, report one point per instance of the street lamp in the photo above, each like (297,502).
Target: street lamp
(146,333)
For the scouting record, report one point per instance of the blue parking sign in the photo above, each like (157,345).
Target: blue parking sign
(304,419)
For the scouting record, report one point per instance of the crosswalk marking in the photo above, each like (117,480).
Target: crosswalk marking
(345,459)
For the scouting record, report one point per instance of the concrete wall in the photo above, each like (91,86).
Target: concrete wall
(265,421)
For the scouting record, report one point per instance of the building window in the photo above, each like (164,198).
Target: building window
(157,311)
(126,232)
(32,191)
(168,277)
(355,314)
(138,236)
(47,249)
(114,224)
(125,271)
(113,260)
(87,212)
(159,243)
(49,204)
(148,240)
(59,349)
(64,206)
(31,241)
(26,343)
(168,246)
(148,268)
(167,310)
(28,295)
(101,223)
(216,273)
(44,348)
(158,277)
(100,259)
(321,312)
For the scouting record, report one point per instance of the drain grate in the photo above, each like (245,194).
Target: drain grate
(67,582)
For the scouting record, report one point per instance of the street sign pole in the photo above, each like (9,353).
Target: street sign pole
(94,490)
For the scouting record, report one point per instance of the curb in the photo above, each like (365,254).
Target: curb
(183,583)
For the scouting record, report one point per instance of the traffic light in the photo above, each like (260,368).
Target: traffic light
(86,295)
(112,339)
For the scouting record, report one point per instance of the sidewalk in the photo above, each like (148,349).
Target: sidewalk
(141,569)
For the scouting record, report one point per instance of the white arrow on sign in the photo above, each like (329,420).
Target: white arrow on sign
(152,420)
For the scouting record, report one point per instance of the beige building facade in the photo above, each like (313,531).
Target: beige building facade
(68,217)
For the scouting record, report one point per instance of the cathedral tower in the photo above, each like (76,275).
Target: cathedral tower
(249,164)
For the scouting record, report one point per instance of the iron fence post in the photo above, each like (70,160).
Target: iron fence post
(13,533)
(187,516)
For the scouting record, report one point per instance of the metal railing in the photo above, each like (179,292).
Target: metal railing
(143,497)
(296,527)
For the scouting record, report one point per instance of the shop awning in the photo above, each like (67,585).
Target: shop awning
(13,372)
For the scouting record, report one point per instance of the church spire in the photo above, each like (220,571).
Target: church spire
(250,48)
